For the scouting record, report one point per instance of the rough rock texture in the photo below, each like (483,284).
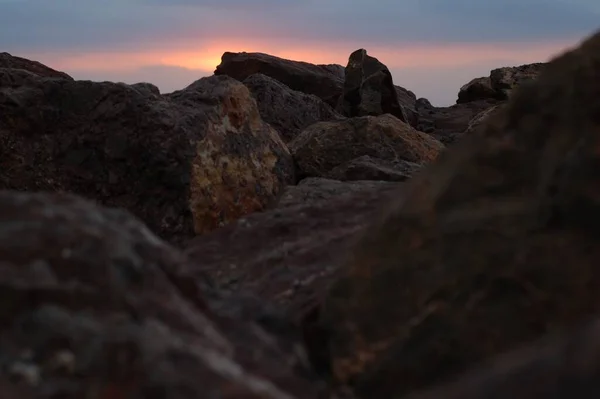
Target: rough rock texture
(326,145)
(480,119)
(324,81)
(447,124)
(408,101)
(492,246)
(288,255)
(563,367)
(8,61)
(476,89)
(287,111)
(93,306)
(369,89)
(370,168)
(500,84)
(505,80)
(184,163)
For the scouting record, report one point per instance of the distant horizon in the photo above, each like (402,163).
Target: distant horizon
(423,80)
(432,47)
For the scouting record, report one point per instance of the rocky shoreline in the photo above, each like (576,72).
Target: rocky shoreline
(286,230)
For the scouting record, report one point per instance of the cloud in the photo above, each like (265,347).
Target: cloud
(87,25)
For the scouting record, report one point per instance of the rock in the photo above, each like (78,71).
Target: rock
(369,89)
(479,120)
(562,367)
(286,110)
(505,80)
(500,83)
(313,189)
(447,124)
(423,104)
(490,247)
(326,145)
(408,101)
(8,61)
(476,89)
(146,88)
(94,305)
(324,81)
(369,168)
(184,163)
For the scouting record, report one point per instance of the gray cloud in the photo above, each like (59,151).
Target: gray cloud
(91,24)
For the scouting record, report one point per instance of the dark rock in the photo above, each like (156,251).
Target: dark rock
(369,89)
(94,305)
(490,247)
(369,168)
(324,81)
(562,367)
(288,255)
(479,120)
(476,89)
(8,61)
(146,88)
(184,163)
(423,104)
(286,110)
(326,145)
(505,80)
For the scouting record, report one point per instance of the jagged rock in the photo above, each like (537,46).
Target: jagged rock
(8,61)
(326,145)
(287,111)
(370,168)
(476,89)
(369,89)
(490,247)
(324,81)
(95,305)
(561,367)
(505,80)
(408,101)
(184,163)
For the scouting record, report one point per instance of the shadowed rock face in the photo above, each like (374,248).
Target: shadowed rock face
(8,61)
(94,305)
(493,245)
(184,163)
(563,367)
(325,145)
(287,111)
(369,89)
(324,81)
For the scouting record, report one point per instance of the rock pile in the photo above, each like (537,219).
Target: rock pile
(285,230)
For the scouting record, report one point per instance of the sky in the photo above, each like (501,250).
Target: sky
(432,47)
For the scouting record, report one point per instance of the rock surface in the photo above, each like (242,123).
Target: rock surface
(369,168)
(326,145)
(287,111)
(184,163)
(369,89)
(476,89)
(563,367)
(93,306)
(492,246)
(324,81)
(8,61)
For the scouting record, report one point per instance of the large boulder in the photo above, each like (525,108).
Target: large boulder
(324,81)
(95,306)
(184,163)
(288,255)
(492,246)
(369,89)
(8,61)
(566,366)
(499,84)
(287,111)
(505,80)
(326,145)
